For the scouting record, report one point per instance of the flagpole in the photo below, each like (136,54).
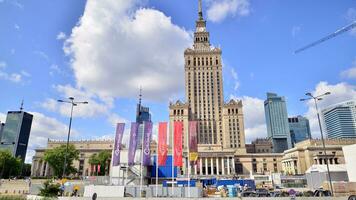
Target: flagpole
(173,160)
(188,150)
(157,166)
(141,166)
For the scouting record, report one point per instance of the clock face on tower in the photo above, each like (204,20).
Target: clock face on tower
(201,29)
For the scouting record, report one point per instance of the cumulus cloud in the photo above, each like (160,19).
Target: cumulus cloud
(117,47)
(218,10)
(254,117)
(339,92)
(96,106)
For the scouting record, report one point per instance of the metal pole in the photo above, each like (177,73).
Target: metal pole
(188,150)
(141,166)
(322,139)
(65,155)
(173,162)
(157,167)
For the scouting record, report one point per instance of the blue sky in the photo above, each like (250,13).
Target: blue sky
(103,51)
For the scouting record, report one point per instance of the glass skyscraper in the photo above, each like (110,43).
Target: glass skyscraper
(340,120)
(299,129)
(16,133)
(277,122)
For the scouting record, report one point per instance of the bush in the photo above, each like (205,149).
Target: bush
(50,189)
(308,194)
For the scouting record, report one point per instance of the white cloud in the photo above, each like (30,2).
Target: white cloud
(94,108)
(254,118)
(339,92)
(115,48)
(350,73)
(218,10)
(2,64)
(235,78)
(42,55)
(2,117)
(61,36)
(25,73)
(13,77)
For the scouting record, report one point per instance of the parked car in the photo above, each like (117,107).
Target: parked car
(352,197)
(322,193)
(262,192)
(248,193)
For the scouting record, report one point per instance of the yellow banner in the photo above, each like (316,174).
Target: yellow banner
(193,156)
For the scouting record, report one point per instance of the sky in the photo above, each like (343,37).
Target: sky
(103,51)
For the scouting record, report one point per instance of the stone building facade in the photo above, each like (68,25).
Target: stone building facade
(310,152)
(221,125)
(86,148)
(260,145)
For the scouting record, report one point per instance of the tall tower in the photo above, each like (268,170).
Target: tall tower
(277,122)
(203,84)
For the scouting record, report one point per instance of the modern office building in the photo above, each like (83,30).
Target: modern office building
(340,120)
(277,122)
(16,133)
(299,129)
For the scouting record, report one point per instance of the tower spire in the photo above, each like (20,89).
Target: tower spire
(200,11)
(140,97)
(21,107)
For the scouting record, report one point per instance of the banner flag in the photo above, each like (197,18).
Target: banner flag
(162,144)
(98,168)
(146,144)
(178,142)
(117,146)
(133,143)
(193,142)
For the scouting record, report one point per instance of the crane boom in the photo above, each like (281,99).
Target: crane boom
(338,32)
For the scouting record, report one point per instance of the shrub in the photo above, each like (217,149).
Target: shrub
(50,189)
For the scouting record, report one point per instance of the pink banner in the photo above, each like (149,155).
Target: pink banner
(162,144)
(193,142)
(178,142)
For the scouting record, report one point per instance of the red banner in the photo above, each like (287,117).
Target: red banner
(178,142)
(162,144)
(98,168)
(193,142)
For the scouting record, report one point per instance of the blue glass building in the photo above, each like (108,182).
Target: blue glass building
(340,120)
(16,133)
(299,129)
(277,122)
(142,115)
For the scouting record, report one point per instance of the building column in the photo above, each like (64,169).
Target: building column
(228,165)
(42,168)
(217,166)
(222,166)
(206,166)
(212,166)
(195,169)
(46,170)
(233,165)
(200,166)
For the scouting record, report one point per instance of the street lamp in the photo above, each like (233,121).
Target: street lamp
(318,98)
(73,103)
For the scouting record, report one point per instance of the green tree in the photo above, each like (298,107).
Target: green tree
(26,169)
(102,159)
(9,165)
(55,158)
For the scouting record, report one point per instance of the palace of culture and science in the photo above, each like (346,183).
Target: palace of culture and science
(221,127)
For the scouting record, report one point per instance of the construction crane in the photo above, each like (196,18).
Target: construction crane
(336,33)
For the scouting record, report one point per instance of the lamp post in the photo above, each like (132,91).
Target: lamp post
(319,98)
(73,103)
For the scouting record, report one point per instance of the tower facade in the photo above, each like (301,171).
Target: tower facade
(277,122)
(16,133)
(340,120)
(220,123)
(299,129)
